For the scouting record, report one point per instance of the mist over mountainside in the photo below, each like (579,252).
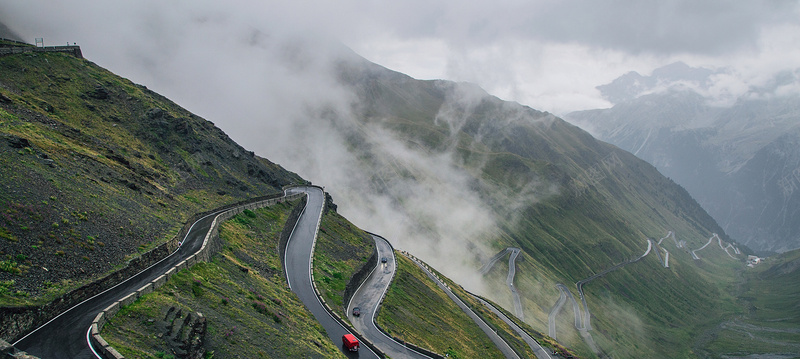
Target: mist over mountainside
(732,152)
(7,33)
(454,175)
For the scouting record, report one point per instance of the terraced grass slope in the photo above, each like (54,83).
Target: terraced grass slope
(243,294)
(95,169)
(574,205)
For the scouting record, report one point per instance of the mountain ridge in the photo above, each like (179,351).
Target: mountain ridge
(575,205)
(713,150)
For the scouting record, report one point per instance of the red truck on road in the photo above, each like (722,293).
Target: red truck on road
(350,342)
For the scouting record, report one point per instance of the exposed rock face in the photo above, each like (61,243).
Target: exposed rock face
(329,205)
(99,92)
(185,334)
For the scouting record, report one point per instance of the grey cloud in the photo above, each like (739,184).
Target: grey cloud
(668,26)
(708,27)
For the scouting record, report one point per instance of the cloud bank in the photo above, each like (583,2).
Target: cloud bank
(547,54)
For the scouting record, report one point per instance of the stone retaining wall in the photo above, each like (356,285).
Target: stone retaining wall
(359,277)
(288,228)
(334,313)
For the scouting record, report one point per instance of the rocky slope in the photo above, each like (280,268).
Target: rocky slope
(96,169)
(735,159)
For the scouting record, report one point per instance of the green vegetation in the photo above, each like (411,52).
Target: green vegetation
(94,166)
(499,326)
(341,250)
(769,298)
(417,311)
(574,205)
(243,294)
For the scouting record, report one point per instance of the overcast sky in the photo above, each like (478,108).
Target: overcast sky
(546,54)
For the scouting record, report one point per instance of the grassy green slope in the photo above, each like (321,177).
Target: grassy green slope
(574,205)
(503,329)
(250,314)
(770,303)
(95,169)
(341,250)
(417,311)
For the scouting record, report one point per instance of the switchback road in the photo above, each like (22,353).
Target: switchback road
(496,339)
(512,271)
(298,258)
(584,325)
(369,296)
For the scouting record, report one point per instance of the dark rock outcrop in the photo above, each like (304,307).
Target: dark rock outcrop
(184,334)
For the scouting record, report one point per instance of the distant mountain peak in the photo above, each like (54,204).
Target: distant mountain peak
(677,75)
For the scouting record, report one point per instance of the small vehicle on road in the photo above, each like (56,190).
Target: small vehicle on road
(383,260)
(350,342)
(356,311)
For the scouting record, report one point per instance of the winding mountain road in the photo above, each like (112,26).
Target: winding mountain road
(512,271)
(583,322)
(495,338)
(368,298)
(298,258)
(66,336)
(694,252)
(537,348)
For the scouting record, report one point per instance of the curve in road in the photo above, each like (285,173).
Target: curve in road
(583,322)
(65,335)
(368,298)
(297,265)
(512,270)
(694,252)
(537,348)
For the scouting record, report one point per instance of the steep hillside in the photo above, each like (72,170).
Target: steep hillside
(242,292)
(733,158)
(574,205)
(96,170)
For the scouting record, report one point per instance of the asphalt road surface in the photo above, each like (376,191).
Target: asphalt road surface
(496,339)
(585,326)
(368,297)
(512,271)
(66,335)
(299,252)
(540,352)
(551,318)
